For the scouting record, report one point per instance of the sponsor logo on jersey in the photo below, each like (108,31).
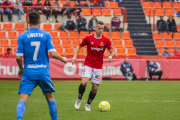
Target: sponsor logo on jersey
(98,77)
(101,44)
(84,70)
(92,43)
(96,48)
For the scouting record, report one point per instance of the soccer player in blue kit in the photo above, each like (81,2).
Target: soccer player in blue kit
(34,45)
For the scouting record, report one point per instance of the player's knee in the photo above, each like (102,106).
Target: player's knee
(94,90)
(83,83)
(49,97)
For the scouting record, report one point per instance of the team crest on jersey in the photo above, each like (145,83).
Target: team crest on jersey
(92,43)
(84,70)
(98,77)
(101,44)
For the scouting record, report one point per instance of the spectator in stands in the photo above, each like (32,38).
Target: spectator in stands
(8,10)
(8,53)
(18,10)
(1,12)
(159,0)
(67,11)
(47,11)
(95,3)
(79,10)
(27,3)
(115,23)
(176,52)
(56,11)
(126,69)
(166,52)
(70,24)
(172,24)
(92,23)
(162,25)
(38,9)
(154,69)
(119,1)
(81,22)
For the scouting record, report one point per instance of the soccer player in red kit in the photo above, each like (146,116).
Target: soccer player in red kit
(96,45)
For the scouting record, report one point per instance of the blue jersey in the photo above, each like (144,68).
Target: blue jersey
(127,66)
(152,67)
(34,45)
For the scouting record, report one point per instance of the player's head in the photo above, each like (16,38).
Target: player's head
(94,17)
(148,62)
(126,60)
(81,15)
(9,50)
(176,49)
(115,15)
(39,2)
(99,28)
(166,49)
(34,18)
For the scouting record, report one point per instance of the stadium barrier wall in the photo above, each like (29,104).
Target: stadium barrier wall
(60,71)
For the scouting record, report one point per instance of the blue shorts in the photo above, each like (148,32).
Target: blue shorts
(27,86)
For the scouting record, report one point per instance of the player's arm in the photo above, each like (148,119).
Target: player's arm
(19,62)
(110,48)
(56,56)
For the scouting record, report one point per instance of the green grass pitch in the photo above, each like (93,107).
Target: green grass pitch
(155,100)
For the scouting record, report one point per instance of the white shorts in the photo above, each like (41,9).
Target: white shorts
(94,74)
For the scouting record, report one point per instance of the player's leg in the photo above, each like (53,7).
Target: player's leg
(47,88)
(86,74)
(52,106)
(25,89)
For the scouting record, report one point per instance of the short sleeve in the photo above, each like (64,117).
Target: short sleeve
(20,47)
(50,46)
(84,42)
(108,44)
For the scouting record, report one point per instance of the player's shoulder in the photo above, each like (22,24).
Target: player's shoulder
(88,36)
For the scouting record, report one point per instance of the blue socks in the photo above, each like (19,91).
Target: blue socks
(20,109)
(53,110)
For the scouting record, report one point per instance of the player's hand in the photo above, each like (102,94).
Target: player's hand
(109,59)
(20,73)
(74,59)
(64,60)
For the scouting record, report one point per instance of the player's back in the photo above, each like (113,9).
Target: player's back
(35,44)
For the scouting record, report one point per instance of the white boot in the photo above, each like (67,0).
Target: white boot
(77,104)
(87,107)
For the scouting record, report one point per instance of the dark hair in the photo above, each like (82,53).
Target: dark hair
(34,18)
(49,4)
(8,49)
(100,23)
(56,0)
(166,48)
(38,1)
(148,61)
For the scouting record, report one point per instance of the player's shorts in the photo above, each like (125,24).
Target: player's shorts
(27,86)
(94,74)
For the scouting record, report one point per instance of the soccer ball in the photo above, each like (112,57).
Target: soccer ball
(104,106)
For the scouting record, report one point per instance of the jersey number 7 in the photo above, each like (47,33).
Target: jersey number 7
(37,44)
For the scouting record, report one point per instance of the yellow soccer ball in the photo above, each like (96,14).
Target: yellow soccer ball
(104,106)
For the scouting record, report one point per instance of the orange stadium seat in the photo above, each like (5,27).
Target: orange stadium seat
(47,27)
(59,51)
(83,34)
(84,2)
(34,2)
(39,26)
(69,51)
(131,52)
(106,4)
(146,5)
(14,51)
(75,43)
(5,49)
(156,4)
(64,35)
(176,5)
(8,26)
(128,44)
(72,3)
(171,51)
(74,35)
(54,35)
(167,36)
(125,35)
(167,5)
(178,44)
(118,43)
(176,36)
(169,12)
(106,12)
(81,52)
(86,12)
(42,2)
(115,35)
(170,44)
(57,26)
(113,4)
(118,12)
(160,44)
(161,51)
(92,32)
(12,35)
(157,36)
(106,34)
(19,27)
(106,25)
(159,12)
(151,12)
(4,43)
(66,43)
(1,52)
(121,52)
(178,28)
(2,34)
(56,43)
(20,33)
(13,43)
(96,12)
(63,2)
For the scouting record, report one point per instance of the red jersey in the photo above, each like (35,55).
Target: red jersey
(176,54)
(8,54)
(95,50)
